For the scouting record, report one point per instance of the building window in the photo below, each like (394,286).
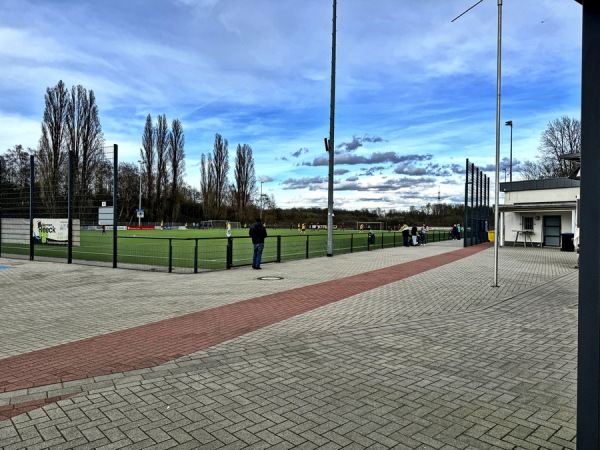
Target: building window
(528,223)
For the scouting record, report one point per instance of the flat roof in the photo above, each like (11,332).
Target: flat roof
(537,207)
(536,185)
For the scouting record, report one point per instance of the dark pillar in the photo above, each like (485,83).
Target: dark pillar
(115,198)
(31,210)
(588,374)
(466,215)
(71,196)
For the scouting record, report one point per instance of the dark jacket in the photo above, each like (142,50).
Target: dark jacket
(258,233)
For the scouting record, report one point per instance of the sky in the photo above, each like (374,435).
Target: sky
(415,93)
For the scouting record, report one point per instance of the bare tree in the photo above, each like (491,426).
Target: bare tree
(530,170)
(148,156)
(220,167)
(52,153)
(16,166)
(129,178)
(14,177)
(562,137)
(245,181)
(207,185)
(102,179)
(85,140)
(177,160)
(162,144)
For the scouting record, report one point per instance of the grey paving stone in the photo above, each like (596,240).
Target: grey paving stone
(432,361)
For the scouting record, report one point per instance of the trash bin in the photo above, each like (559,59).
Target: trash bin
(371,238)
(567,242)
(491,236)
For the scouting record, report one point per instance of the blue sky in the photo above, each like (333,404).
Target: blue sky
(415,93)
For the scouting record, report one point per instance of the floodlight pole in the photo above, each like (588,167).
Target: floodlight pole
(498,95)
(330,144)
(497,174)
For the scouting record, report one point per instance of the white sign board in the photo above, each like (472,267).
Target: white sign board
(105,215)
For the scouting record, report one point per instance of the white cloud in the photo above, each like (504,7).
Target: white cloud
(18,130)
(258,73)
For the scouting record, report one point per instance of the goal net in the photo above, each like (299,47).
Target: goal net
(219,224)
(370,226)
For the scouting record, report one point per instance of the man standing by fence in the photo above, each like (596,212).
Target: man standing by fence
(258,233)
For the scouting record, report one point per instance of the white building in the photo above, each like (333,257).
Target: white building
(539,212)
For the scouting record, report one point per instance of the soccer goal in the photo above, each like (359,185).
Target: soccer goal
(219,224)
(370,226)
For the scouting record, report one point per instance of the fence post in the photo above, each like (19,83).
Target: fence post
(1,162)
(307,246)
(278,249)
(229,255)
(196,255)
(352,243)
(170,255)
(31,197)
(115,206)
(70,197)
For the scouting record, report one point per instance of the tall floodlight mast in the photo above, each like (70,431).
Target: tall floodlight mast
(329,145)
(498,95)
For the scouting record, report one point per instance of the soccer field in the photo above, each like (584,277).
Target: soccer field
(194,250)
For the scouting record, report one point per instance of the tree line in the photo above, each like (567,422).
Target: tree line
(433,214)
(71,125)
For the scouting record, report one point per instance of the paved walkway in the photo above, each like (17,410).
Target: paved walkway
(396,348)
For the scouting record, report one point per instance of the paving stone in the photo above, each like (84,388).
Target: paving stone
(431,360)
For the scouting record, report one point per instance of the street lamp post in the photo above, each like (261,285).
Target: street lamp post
(140,203)
(504,174)
(509,123)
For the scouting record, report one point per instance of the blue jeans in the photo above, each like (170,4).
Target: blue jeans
(258,249)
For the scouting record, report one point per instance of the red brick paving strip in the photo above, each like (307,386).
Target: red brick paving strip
(160,342)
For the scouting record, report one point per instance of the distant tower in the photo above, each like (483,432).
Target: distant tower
(438,194)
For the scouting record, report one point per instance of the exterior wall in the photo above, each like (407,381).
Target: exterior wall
(541,195)
(514,221)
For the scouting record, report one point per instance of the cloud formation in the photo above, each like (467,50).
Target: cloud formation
(356,143)
(415,93)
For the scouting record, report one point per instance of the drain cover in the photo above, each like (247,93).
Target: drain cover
(270,278)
